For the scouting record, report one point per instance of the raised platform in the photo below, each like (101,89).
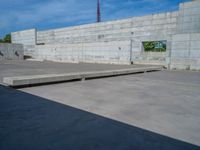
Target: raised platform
(55,78)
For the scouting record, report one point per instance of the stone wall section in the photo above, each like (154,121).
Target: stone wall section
(11,52)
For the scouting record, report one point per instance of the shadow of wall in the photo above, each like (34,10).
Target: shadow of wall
(33,123)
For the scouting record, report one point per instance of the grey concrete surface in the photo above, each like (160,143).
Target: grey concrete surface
(158,110)
(30,122)
(164,102)
(29,68)
(55,78)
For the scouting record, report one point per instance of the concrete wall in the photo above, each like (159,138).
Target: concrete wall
(112,52)
(11,51)
(154,58)
(96,52)
(26,37)
(151,27)
(185,52)
(157,27)
(189,17)
(138,29)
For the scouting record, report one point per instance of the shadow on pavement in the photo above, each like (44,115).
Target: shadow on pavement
(34,123)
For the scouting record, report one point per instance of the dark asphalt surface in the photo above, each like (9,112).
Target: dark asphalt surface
(158,110)
(29,122)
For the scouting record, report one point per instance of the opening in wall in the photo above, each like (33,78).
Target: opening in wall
(154,46)
(40,44)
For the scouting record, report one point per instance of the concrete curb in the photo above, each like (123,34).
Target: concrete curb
(53,78)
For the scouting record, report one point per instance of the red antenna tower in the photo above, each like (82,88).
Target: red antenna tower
(98,11)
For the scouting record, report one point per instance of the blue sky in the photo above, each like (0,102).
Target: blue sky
(46,14)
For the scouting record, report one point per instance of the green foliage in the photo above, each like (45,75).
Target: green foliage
(148,46)
(154,46)
(6,39)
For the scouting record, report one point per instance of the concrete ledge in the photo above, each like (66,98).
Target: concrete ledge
(53,78)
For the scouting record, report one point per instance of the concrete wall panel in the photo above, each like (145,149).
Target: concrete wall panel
(113,30)
(26,37)
(11,51)
(185,54)
(117,52)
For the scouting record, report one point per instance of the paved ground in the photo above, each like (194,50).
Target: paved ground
(19,68)
(159,110)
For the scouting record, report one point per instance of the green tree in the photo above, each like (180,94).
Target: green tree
(6,39)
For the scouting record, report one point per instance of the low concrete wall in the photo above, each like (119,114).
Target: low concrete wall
(115,52)
(154,58)
(185,52)
(53,78)
(11,51)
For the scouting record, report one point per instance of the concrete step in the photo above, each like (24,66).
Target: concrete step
(55,78)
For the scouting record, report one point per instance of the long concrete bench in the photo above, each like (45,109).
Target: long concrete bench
(53,78)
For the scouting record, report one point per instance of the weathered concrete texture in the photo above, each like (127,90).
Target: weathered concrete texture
(112,52)
(52,78)
(150,27)
(115,52)
(11,51)
(137,29)
(185,52)
(166,103)
(154,58)
(26,37)
(189,17)
(29,68)
(31,122)
(147,28)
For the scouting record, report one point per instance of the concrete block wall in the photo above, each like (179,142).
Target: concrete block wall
(154,58)
(26,37)
(11,51)
(189,17)
(185,53)
(138,29)
(114,52)
(158,26)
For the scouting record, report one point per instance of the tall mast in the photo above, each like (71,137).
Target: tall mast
(98,11)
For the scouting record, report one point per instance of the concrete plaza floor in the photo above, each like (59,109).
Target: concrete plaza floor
(26,68)
(157,110)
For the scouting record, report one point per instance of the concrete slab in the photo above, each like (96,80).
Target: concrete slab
(20,73)
(53,78)
(163,102)
(158,110)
